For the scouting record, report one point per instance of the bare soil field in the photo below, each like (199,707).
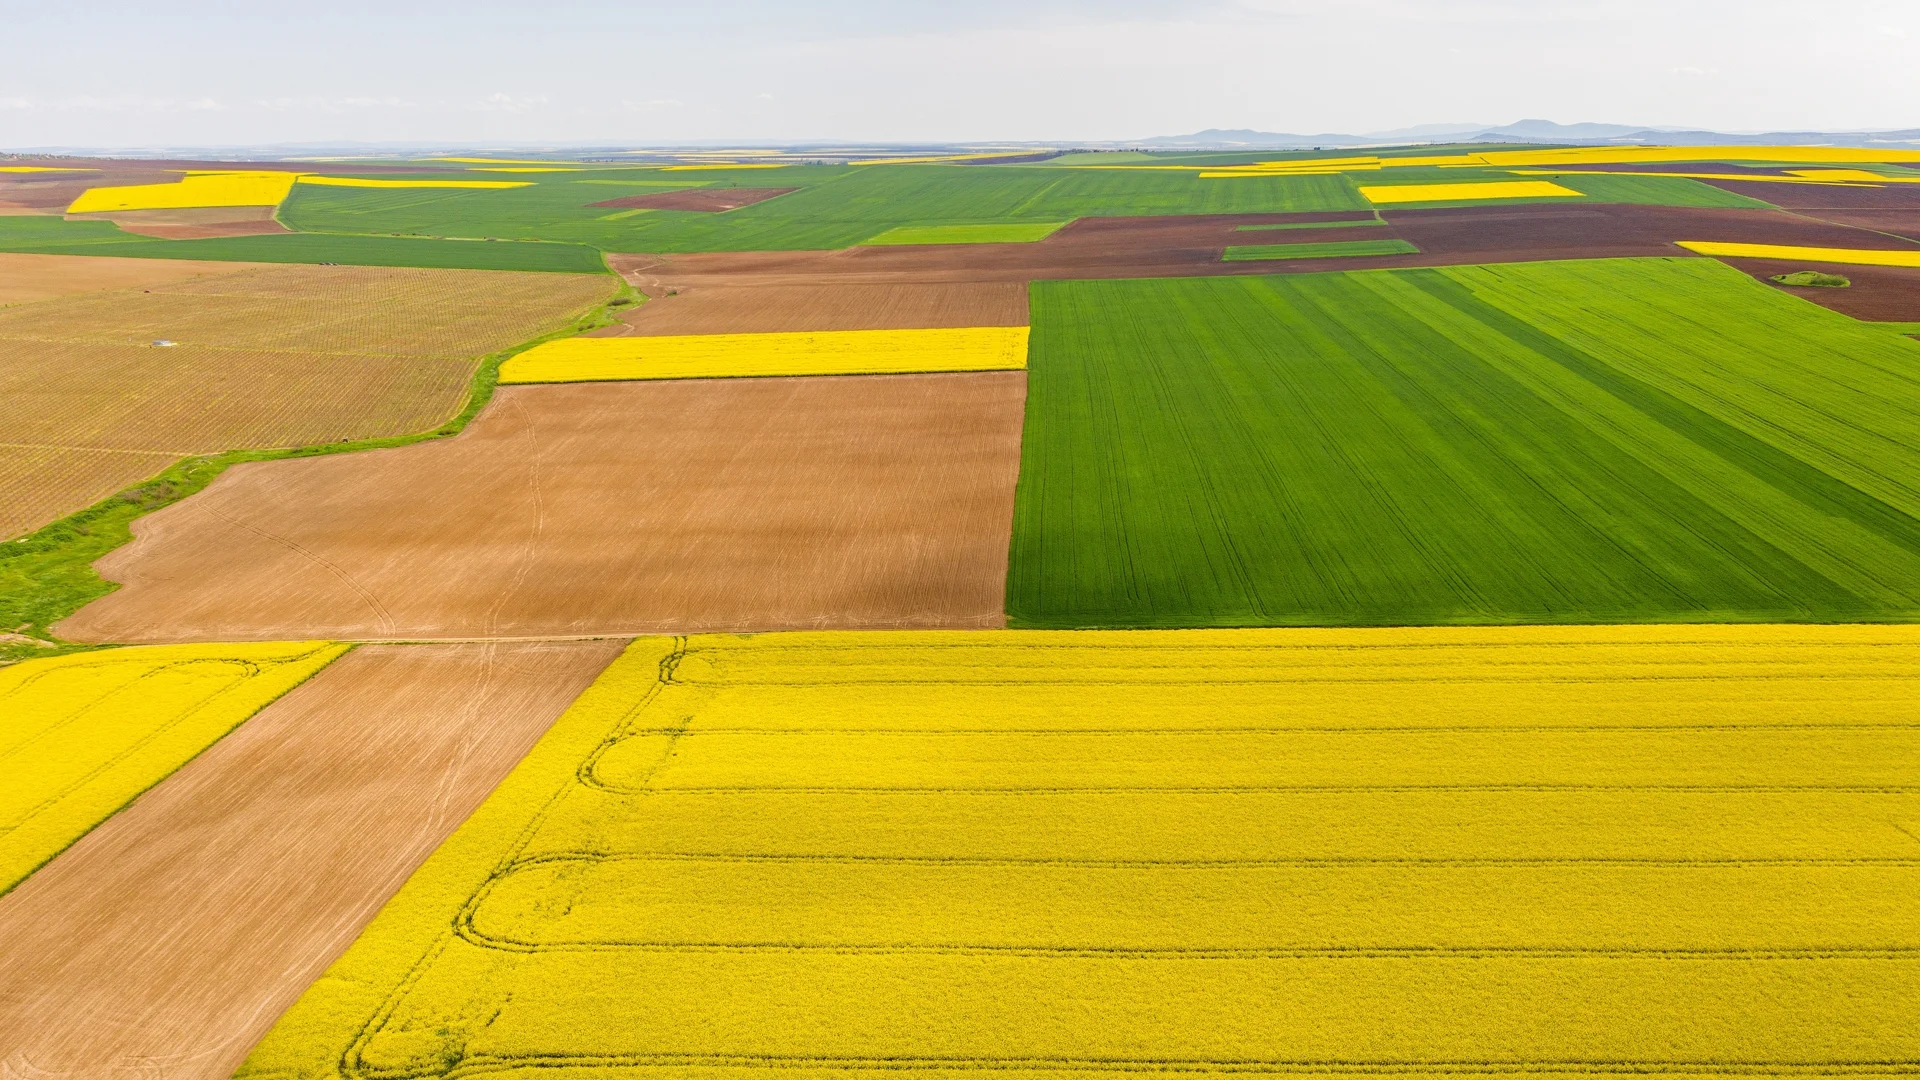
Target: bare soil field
(607,508)
(264,357)
(1897,221)
(703,200)
(195,223)
(165,942)
(796,308)
(25,278)
(1817,197)
(1878,293)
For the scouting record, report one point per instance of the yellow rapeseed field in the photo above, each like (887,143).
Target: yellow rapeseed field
(82,735)
(1528,850)
(193,191)
(355,181)
(1382,194)
(1843,256)
(837,352)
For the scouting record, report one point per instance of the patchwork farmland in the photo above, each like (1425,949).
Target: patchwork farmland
(1429,610)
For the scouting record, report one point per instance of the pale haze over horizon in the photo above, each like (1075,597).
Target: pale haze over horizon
(226,74)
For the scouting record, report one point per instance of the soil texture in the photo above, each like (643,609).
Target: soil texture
(607,508)
(25,278)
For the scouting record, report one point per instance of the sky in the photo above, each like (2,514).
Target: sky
(151,73)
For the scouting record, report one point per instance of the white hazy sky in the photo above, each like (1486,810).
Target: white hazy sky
(132,73)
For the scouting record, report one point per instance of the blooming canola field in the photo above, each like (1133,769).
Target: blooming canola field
(85,734)
(1266,851)
(843,352)
(1443,611)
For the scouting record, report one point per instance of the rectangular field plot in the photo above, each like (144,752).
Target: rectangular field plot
(1471,191)
(1605,441)
(1464,851)
(827,352)
(1331,249)
(80,736)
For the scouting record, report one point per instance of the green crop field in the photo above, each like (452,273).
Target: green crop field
(836,207)
(1619,440)
(54,236)
(966,234)
(1330,249)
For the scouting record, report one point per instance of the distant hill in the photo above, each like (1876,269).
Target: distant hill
(1530,131)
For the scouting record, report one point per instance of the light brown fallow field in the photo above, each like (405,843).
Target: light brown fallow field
(604,508)
(262,357)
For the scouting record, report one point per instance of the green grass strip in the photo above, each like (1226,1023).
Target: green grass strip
(1331,249)
(47,575)
(1006,233)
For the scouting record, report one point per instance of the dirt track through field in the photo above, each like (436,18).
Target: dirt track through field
(164,943)
(616,508)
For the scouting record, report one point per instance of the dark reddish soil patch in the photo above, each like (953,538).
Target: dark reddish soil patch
(1182,246)
(1878,293)
(702,200)
(796,308)
(1903,222)
(1826,196)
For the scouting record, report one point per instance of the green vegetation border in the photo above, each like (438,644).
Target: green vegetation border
(48,574)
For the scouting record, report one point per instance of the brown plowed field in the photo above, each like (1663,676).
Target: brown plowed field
(165,942)
(703,200)
(1899,222)
(605,508)
(782,308)
(1817,197)
(1878,293)
(1179,246)
(43,277)
(269,356)
(193,223)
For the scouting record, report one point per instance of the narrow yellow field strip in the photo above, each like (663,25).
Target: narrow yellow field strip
(1468,192)
(41,168)
(193,191)
(1818,177)
(1604,155)
(528,169)
(81,735)
(1842,256)
(1671,850)
(354,181)
(843,352)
